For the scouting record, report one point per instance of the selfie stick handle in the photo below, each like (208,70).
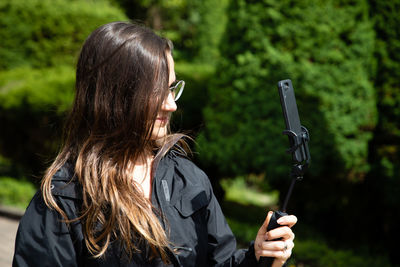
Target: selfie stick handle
(296,174)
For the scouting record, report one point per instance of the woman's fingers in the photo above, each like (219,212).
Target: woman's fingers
(263,228)
(283,232)
(270,253)
(277,245)
(288,220)
(276,249)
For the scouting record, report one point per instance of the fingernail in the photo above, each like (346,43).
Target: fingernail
(280,220)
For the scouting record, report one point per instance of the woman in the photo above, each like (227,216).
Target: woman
(121,191)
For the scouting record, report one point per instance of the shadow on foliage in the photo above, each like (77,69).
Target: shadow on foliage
(29,138)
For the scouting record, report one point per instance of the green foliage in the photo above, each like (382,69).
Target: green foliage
(195,26)
(40,43)
(245,220)
(188,116)
(40,89)
(43,33)
(244,232)
(386,145)
(5,164)
(312,253)
(387,20)
(383,183)
(239,191)
(317,253)
(209,19)
(33,103)
(326,49)
(15,192)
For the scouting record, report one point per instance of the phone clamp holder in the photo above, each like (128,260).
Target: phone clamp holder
(301,143)
(298,142)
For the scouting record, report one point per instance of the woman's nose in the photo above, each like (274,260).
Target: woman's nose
(169,103)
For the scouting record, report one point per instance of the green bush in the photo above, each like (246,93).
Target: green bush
(39,89)
(40,43)
(17,193)
(33,103)
(383,183)
(188,116)
(239,190)
(326,49)
(43,33)
(209,19)
(316,253)
(195,26)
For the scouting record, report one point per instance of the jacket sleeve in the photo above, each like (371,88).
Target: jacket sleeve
(221,241)
(43,239)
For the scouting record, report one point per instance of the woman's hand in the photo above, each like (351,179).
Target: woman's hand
(281,249)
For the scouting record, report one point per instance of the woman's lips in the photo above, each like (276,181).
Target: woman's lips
(162,119)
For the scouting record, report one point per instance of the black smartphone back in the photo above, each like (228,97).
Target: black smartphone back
(291,115)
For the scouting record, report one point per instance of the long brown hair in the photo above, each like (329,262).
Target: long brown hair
(121,81)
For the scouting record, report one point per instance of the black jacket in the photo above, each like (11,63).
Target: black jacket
(181,191)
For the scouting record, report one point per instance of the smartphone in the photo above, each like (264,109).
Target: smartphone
(291,115)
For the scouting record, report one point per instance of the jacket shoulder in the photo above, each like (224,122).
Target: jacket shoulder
(43,238)
(192,173)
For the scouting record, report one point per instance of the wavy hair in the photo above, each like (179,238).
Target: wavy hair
(121,81)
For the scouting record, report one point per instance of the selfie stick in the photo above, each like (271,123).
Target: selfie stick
(298,139)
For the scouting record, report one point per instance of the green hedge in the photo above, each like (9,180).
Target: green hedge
(43,33)
(327,51)
(37,89)
(40,43)
(16,193)
(316,253)
(189,116)
(383,183)
(33,103)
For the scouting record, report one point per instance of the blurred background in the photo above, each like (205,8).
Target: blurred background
(343,57)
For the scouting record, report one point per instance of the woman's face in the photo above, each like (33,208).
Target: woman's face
(168,106)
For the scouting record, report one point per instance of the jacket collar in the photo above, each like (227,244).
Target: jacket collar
(65,184)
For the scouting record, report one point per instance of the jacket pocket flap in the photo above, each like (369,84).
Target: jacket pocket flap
(191,202)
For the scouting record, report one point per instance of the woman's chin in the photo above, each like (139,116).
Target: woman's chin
(159,133)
